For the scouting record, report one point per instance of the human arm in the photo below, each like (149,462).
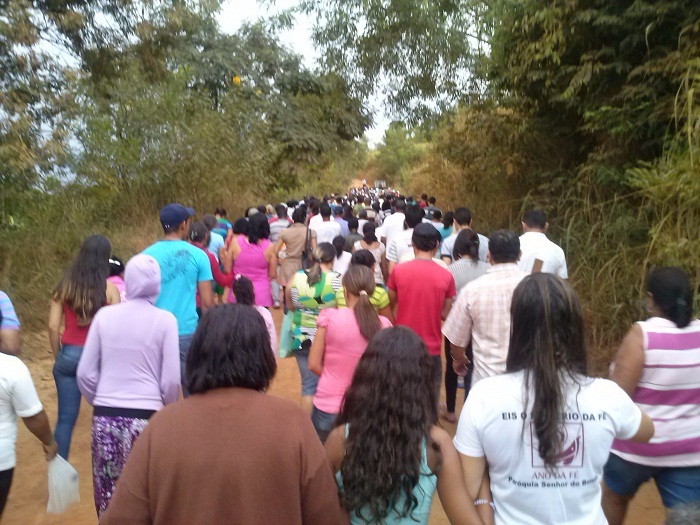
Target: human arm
(629,361)
(393,299)
(458,330)
(88,373)
(319,492)
(226,259)
(222,279)
(204,278)
(10,341)
(26,405)
(645,431)
(206,297)
(446,307)
(38,425)
(288,295)
(386,312)
(455,500)
(335,447)
(271,258)
(55,320)
(170,364)
(318,347)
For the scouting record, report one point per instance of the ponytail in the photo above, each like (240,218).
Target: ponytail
(359,281)
(466,243)
(323,253)
(670,289)
(368,230)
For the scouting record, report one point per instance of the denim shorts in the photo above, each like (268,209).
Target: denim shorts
(323,423)
(676,485)
(309,380)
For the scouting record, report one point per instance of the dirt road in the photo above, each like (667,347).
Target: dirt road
(27,500)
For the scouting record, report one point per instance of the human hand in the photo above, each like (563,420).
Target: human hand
(459,368)
(50,450)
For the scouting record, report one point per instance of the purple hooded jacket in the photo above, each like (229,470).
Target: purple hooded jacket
(131,356)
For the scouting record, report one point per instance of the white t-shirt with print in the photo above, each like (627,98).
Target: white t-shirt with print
(493,424)
(17,398)
(536,245)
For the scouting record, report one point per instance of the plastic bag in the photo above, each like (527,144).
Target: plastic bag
(63,486)
(286,340)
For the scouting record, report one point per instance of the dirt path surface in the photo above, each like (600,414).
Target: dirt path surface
(27,501)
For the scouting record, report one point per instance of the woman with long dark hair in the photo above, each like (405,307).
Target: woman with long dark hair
(80,293)
(309,292)
(544,427)
(657,364)
(342,258)
(387,451)
(465,267)
(229,452)
(380,297)
(341,338)
(376,247)
(254,256)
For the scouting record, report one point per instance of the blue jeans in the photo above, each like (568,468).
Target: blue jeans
(185,342)
(64,370)
(309,380)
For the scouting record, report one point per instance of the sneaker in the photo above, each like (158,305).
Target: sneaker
(460,382)
(277,305)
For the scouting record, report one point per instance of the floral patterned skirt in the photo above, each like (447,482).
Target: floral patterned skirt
(112,439)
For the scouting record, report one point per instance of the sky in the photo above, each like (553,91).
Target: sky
(235,12)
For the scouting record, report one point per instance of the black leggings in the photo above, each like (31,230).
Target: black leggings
(5,482)
(451,377)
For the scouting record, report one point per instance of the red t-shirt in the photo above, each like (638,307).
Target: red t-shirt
(421,288)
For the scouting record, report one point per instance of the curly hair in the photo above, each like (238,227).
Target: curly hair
(389,408)
(243,290)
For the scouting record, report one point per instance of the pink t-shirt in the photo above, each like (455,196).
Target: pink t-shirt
(344,347)
(421,288)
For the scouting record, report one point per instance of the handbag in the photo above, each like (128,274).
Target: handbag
(286,339)
(306,254)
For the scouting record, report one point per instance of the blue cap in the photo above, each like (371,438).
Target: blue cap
(173,214)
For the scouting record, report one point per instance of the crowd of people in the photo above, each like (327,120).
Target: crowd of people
(175,349)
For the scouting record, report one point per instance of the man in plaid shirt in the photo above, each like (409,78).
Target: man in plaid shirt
(481,313)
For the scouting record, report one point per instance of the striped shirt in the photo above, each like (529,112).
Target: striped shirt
(465,270)
(7,314)
(669,391)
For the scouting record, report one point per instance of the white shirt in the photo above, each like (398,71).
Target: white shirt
(535,245)
(315,220)
(326,231)
(524,491)
(449,244)
(361,226)
(341,264)
(400,245)
(17,398)
(392,226)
